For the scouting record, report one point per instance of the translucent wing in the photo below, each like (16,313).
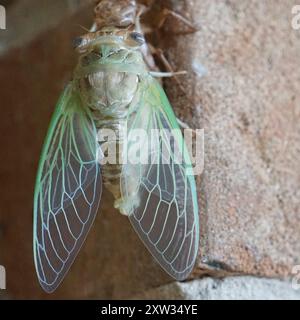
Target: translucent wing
(159,194)
(68,190)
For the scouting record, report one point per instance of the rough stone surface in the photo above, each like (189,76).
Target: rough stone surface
(231,288)
(246,96)
(244,85)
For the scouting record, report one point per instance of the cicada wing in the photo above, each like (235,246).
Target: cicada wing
(159,194)
(68,190)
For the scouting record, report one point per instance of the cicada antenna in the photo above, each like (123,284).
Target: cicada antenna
(82,27)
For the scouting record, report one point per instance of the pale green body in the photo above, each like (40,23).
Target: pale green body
(112,88)
(112,94)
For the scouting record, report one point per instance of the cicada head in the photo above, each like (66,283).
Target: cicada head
(110,45)
(109,64)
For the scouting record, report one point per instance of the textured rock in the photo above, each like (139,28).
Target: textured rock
(248,102)
(231,288)
(244,84)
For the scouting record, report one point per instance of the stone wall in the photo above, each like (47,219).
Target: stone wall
(242,87)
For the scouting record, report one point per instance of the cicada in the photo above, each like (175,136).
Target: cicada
(112,88)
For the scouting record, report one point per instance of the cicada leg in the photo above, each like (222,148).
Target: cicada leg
(171,73)
(146,51)
(183,125)
(167,13)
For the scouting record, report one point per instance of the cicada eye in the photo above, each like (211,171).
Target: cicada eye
(81,43)
(77,42)
(137,38)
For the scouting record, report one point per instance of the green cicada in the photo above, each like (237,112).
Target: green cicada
(112,88)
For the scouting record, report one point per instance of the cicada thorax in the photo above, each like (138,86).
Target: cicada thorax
(107,78)
(109,93)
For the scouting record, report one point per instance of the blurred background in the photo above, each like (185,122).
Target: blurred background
(242,87)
